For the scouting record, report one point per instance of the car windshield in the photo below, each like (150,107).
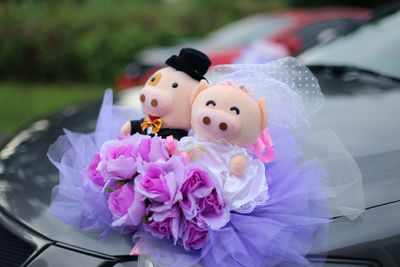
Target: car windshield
(244,31)
(373,47)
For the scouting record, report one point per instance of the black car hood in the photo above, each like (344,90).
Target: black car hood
(362,109)
(27,176)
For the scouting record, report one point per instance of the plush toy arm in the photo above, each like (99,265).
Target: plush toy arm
(238,164)
(126,129)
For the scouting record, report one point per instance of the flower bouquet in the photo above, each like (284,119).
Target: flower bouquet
(173,206)
(162,194)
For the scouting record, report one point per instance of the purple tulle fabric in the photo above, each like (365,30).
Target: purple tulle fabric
(75,200)
(281,232)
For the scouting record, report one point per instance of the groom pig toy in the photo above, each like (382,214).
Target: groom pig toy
(165,97)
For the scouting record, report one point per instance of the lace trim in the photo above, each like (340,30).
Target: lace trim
(261,199)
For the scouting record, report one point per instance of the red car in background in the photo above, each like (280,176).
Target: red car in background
(274,34)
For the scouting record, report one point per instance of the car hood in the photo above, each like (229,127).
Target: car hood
(27,177)
(361,110)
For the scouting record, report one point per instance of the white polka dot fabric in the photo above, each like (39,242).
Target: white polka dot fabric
(292,92)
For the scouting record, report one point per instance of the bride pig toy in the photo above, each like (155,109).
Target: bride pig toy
(226,122)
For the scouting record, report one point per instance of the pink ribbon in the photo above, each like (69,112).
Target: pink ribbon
(263,147)
(135,250)
(171,146)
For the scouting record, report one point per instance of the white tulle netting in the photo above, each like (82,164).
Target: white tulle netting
(293,97)
(344,186)
(291,90)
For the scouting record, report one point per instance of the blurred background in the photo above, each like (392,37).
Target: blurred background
(57,53)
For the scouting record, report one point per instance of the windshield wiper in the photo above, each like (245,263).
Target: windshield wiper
(348,73)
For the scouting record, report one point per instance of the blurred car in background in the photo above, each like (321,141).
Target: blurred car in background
(235,34)
(264,36)
(360,75)
(304,29)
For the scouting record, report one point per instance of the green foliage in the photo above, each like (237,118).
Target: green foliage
(93,40)
(21,103)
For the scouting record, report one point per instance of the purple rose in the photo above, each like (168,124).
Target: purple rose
(165,224)
(160,182)
(197,185)
(127,206)
(93,174)
(212,211)
(193,236)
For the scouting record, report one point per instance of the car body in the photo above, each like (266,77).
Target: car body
(360,75)
(236,34)
(302,30)
(292,30)
(361,107)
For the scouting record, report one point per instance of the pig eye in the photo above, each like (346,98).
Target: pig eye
(211,102)
(174,85)
(236,109)
(154,79)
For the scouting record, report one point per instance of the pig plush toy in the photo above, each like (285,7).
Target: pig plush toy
(165,97)
(227,121)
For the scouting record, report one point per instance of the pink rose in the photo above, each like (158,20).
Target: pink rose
(160,183)
(120,158)
(92,172)
(127,206)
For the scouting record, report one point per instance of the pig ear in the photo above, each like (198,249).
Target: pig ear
(203,85)
(262,105)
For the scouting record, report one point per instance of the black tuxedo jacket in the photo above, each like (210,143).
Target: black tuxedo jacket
(163,132)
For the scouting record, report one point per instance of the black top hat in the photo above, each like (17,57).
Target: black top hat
(191,61)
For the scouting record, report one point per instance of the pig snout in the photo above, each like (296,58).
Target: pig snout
(218,122)
(155,103)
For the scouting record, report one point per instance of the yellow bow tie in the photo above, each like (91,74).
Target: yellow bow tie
(156,125)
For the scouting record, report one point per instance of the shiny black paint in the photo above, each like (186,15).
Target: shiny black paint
(374,236)
(56,256)
(27,178)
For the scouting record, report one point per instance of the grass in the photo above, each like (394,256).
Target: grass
(22,103)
